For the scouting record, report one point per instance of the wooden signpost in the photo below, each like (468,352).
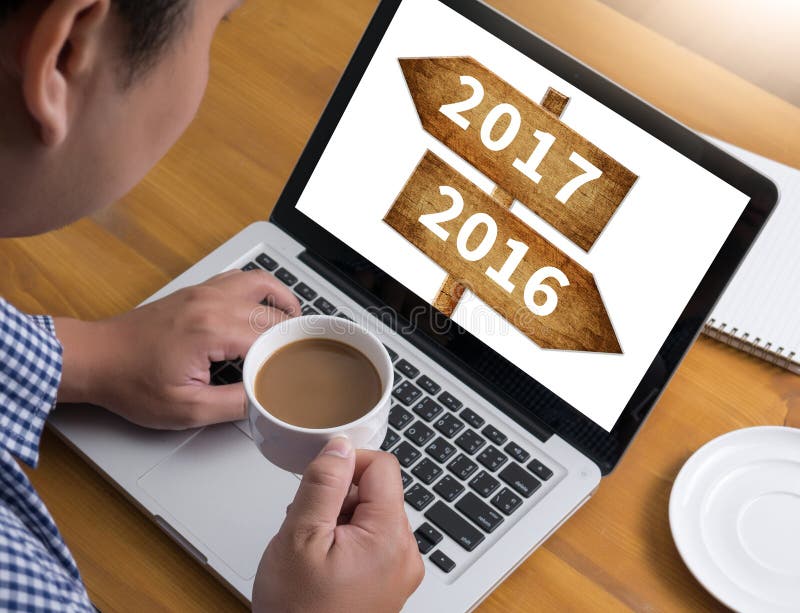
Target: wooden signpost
(526,150)
(526,279)
(533,158)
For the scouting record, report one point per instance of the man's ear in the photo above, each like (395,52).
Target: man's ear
(64,44)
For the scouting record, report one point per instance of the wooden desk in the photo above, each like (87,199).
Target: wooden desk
(274,67)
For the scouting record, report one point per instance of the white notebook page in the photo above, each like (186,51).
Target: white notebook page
(763,298)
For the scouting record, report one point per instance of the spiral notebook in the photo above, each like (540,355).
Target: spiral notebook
(759,313)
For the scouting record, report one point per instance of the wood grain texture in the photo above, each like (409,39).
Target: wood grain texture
(268,86)
(434,82)
(449,295)
(579,321)
(451,291)
(554,101)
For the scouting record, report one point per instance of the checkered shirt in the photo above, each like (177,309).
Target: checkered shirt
(37,572)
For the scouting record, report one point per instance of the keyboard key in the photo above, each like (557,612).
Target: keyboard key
(521,480)
(406,454)
(517,452)
(540,470)
(267,262)
(418,497)
(397,378)
(285,276)
(399,417)
(309,310)
(392,353)
(440,450)
(449,425)
(427,409)
(430,533)
(479,512)
(406,478)
(407,393)
(390,439)
(450,401)
(470,441)
(423,544)
(305,292)
(492,458)
(426,471)
(408,369)
(419,433)
(507,501)
(228,374)
(454,526)
(344,316)
(429,385)
(484,484)
(472,418)
(448,488)
(494,435)
(442,561)
(324,306)
(462,467)
(250,266)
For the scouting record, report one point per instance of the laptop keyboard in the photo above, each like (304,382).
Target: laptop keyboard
(464,475)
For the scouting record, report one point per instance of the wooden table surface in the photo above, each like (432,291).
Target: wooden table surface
(273,68)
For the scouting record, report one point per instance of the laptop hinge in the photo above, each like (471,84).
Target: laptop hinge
(451,363)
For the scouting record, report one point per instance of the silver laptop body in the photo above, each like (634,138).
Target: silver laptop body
(212,491)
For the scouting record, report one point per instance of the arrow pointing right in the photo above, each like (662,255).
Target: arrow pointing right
(578,320)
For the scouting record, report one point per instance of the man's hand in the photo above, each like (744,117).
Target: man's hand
(342,548)
(151,365)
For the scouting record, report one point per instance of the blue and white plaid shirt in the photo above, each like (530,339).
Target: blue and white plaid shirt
(37,572)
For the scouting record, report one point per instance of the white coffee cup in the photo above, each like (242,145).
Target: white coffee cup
(292,447)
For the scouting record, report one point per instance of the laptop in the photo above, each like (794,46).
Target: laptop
(537,249)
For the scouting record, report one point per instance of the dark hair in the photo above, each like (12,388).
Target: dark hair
(151,25)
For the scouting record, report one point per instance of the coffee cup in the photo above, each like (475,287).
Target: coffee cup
(293,447)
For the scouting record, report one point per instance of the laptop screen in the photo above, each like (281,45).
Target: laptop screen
(556,232)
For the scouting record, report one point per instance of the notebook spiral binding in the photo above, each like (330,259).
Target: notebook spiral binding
(757,347)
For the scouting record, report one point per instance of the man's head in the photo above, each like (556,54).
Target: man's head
(92,94)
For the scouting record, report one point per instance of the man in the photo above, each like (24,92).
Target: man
(92,94)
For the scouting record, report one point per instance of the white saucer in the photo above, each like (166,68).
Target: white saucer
(734,512)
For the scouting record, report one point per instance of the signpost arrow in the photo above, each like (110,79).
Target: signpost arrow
(525,278)
(519,144)
(451,290)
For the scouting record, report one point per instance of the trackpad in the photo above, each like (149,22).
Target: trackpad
(223,493)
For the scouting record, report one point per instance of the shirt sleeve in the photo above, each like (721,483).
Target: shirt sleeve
(30,372)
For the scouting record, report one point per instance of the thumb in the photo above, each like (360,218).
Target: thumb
(319,499)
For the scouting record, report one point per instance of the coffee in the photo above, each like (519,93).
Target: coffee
(317,383)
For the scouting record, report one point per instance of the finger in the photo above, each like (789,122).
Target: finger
(415,570)
(380,489)
(240,330)
(222,275)
(213,404)
(326,482)
(350,502)
(257,285)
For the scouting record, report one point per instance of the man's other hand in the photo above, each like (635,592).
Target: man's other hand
(151,365)
(346,544)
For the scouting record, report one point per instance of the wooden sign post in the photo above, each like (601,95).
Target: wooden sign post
(554,171)
(531,283)
(451,291)
(520,145)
